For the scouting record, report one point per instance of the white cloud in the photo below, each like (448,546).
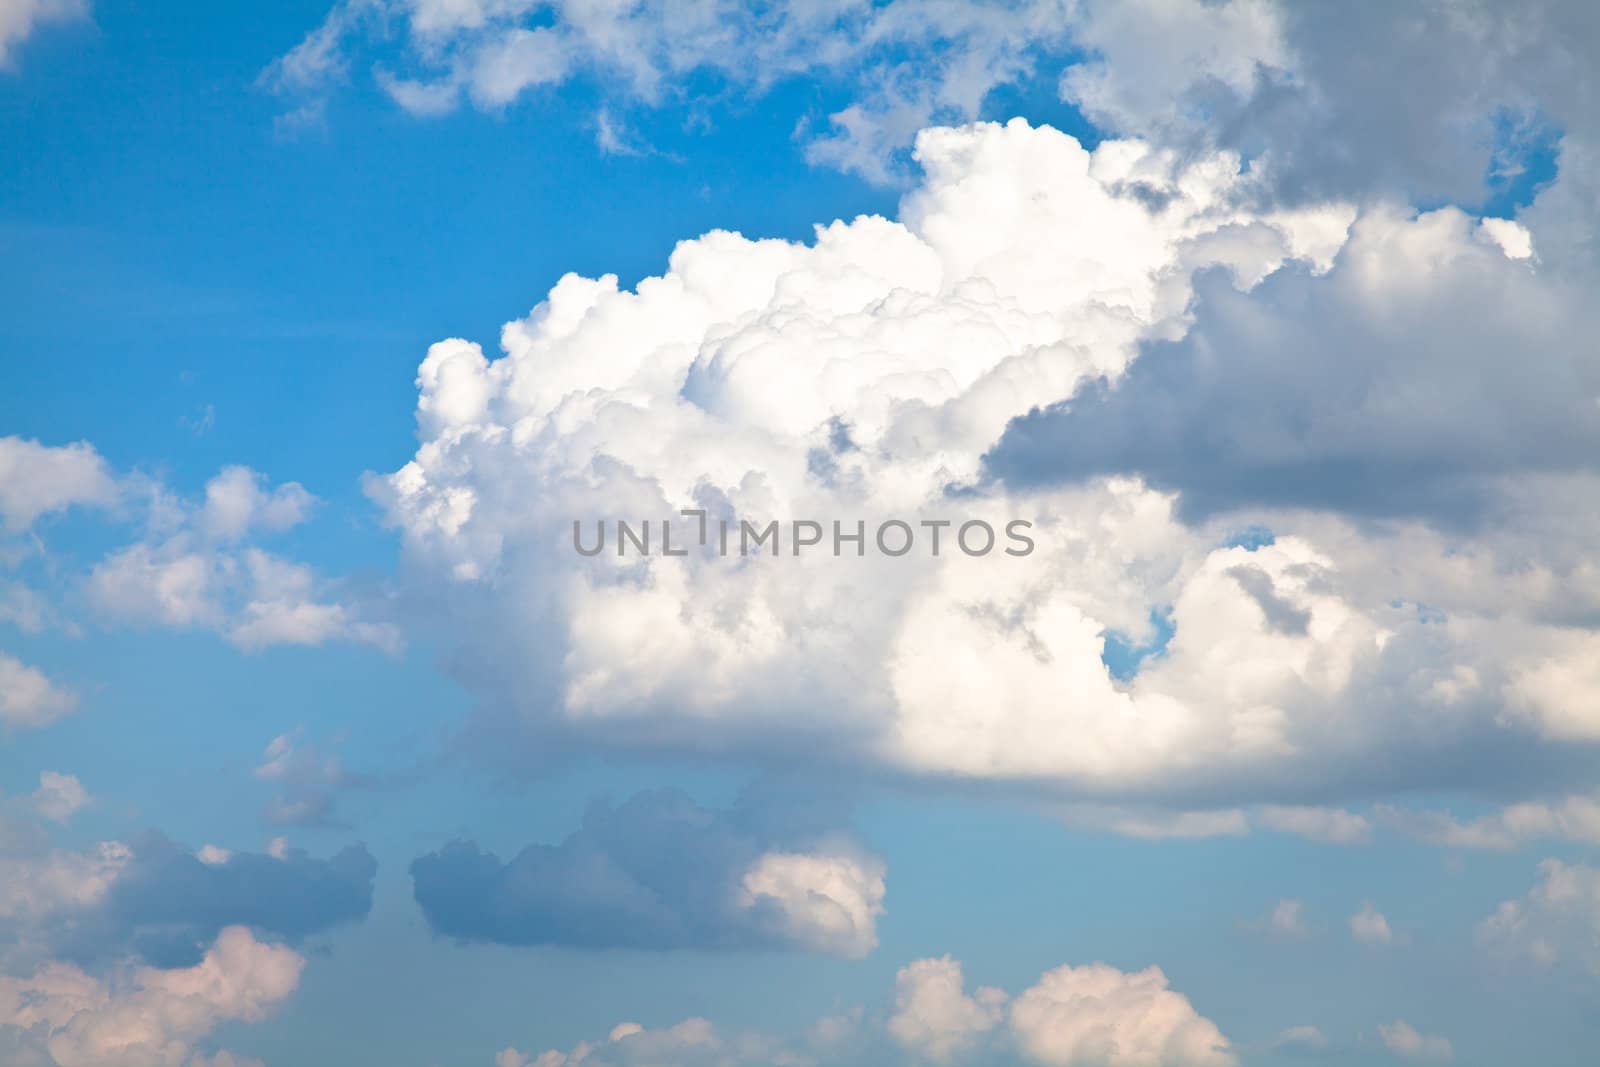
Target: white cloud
(28,698)
(1331,825)
(1335,826)
(1090,1016)
(691,1043)
(1285,920)
(38,479)
(1401,1038)
(59,796)
(912,63)
(1019,271)
(829,903)
(1370,927)
(41,883)
(1304,1036)
(1098,1016)
(149,1018)
(18,20)
(195,572)
(1153,825)
(236,504)
(1559,918)
(869,372)
(934,1017)
(1570,818)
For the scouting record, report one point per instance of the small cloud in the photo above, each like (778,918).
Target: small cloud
(59,796)
(1301,1038)
(612,137)
(200,423)
(1403,1039)
(29,698)
(1369,927)
(212,856)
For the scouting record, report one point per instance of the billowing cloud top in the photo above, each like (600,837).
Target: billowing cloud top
(866,376)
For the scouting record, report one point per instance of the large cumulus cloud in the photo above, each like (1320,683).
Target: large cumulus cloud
(867,375)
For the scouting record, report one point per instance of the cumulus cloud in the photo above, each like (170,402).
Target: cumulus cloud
(866,372)
(1558,919)
(1089,1016)
(195,568)
(691,1043)
(659,871)
(1403,1039)
(59,796)
(29,698)
(887,370)
(237,502)
(1097,1015)
(158,901)
(38,479)
(934,1017)
(63,1017)
(1370,927)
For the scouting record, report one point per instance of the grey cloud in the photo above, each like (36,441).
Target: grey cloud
(167,905)
(1389,387)
(657,871)
(1429,101)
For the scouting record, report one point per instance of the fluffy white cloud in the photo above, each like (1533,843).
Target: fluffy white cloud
(871,373)
(193,571)
(864,375)
(59,796)
(1090,1016)
(1403,1039)
(1370,927)
(38,479)
(829,903)
(28,697)
(150,1018)
(1559,918)
(236,503)
(934,1017)
(1098,1016)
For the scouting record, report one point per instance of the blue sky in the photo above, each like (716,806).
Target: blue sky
(1296,701)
